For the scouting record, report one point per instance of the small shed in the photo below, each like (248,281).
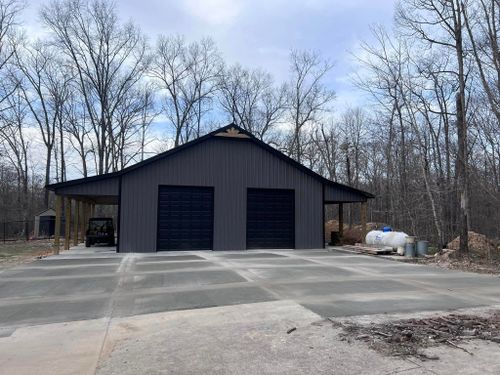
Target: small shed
(45,223)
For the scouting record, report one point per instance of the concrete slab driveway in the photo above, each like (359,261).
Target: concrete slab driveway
(100,285)
(84,284)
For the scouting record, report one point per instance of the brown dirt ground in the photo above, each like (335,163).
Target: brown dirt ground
(473,263)
(17,252)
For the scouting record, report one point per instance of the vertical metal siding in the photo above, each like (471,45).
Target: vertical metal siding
(105,187)
(230,166)
(340,194)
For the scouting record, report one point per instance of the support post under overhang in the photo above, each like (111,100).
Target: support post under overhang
(57,229)
(363,220)
(67,222)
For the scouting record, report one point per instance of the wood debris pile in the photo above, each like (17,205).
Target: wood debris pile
(409,337)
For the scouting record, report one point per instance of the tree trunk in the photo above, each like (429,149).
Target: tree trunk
(61,151)
(462,179)
(462,172)
(47,177)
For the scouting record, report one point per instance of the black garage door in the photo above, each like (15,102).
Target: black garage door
(185,218)
(270,219)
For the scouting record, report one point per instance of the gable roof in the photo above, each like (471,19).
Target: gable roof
(49,210)
(229,131)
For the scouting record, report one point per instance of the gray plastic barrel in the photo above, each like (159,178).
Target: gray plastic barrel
(410,250)
(422,247)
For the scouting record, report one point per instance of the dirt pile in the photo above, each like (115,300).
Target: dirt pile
(408,337)
(478,244)
(353,234)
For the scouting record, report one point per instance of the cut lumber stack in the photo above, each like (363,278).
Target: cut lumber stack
(369,249)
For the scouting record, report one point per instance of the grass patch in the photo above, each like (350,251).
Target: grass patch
(16,252)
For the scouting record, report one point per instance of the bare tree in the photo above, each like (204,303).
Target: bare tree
(327,139)
(148,113)
(133,119)
(9,40)
(482,21)
(353,127)
(308,96)
(383,63)
(186,75)
(15,145)
(107,57)
(440,23)
(251,99)
(78,130)
(45,88)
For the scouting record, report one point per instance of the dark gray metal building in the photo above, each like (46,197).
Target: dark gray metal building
(224,191)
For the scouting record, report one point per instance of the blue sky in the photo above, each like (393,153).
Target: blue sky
(260,33)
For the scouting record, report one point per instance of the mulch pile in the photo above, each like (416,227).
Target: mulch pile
(478,244)
(409,337)
(352,235)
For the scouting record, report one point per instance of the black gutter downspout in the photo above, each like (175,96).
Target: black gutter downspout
(119,214)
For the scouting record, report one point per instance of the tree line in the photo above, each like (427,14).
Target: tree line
(427,141)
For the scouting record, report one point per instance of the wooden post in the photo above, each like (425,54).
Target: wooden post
(92,209)
(76,222)
(57,229)
(67,222)
(89,213)
(83,219)
(341,221)
(363,220)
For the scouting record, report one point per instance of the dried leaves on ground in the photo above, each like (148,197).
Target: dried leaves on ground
(483,257)
(473,263)
(18,252)
(411,336)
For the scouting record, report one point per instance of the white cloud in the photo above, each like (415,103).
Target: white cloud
(214,12)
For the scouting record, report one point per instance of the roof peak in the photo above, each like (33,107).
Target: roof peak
(232,131)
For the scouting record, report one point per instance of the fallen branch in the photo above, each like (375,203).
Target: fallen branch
(408,337)
(458,347)
(382,334)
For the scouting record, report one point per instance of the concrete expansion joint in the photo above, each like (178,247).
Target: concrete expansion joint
(125,267)
(127,263)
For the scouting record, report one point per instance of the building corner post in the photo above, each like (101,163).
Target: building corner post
(76,222)
(82,220)
(341,222)
(57,229)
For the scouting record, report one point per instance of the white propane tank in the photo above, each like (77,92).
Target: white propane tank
(392,239)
